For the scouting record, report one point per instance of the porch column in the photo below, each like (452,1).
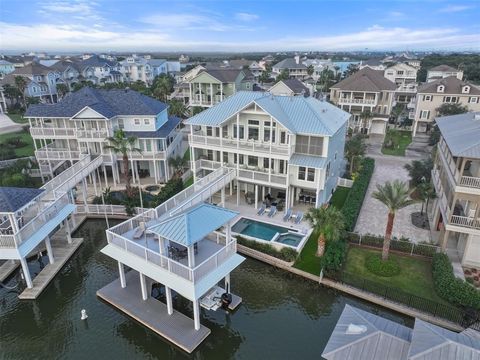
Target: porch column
(222,192)
(67,231)
(227,283)
(167,177)
(317,199)
(143,285)
(105,175)
(168,295)
(155,171)
(121,270)
(84,191)
(231,187)
(287,198)
(94,178)
(48,245)
(26,273)
(238,193)
(191,257)
(446,235)
(196,314)
(256,196)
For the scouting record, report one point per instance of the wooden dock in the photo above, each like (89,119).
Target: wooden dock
(8,268)
(62,252)
(176,328)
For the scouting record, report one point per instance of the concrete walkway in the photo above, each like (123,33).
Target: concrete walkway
(7,125)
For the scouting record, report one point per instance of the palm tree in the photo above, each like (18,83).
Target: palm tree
(177,108)
(426,192)
(119,143)
(162,87)
(365,116)
(354,148)
(62,90)
(310,70)
(395,197)
(178,163)
(328,222)
(21,85)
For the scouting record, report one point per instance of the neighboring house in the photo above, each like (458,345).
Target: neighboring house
(289,87)
(456,176)
(41,81)
(20,60)
(404,59)
(366,89)
(256,69)
(319,66)
(135,68)
(443,71)
(81,121)
(99,70)
(432,95)
(68,72)
(211,86)
(29,216)
(374,64)
(293,66)
(360,335)
(288,146)
(401,74)
(6,67)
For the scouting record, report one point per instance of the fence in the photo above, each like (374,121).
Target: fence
(10,162)
(345,182)
(403,246)
(429,306)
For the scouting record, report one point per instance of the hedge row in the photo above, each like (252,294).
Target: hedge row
(355,197)
(286,254)
(450,288)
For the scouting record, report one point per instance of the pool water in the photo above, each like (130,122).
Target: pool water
(257,229)
(290,239)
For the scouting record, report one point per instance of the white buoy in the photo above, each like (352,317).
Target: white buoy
(84,314)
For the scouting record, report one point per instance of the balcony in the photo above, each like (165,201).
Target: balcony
(48,132)
(50,152)
(92,134)
(354,101)
(244,145)
(465,221)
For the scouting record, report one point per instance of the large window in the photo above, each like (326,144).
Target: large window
(225,131)
(425,114)
(450,99)
(266,135)
(253,133)
(209,131)
(306,174)
(253,161)
(283,137)
(225,158)
(235,132)
(311,145)
(310,174)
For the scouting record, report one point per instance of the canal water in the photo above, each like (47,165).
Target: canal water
(282,316)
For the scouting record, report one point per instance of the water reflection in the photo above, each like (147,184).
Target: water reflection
(282,316)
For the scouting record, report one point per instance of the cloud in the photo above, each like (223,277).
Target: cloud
(455,8)
(66,37)
(395,14)
(67,10)
(243,16)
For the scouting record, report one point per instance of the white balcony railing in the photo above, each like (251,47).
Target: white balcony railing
(52,132)
(92,134)
(465,221)
(470,181)
(357,101)
(58,154)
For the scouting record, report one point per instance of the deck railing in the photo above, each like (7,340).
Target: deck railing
(52,132)
(470,181)
(465,221)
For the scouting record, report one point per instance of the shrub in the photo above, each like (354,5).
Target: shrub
(171,188)
(355,197)
(450,288)
(6,152)
(285,254)
(384,268)
(15,142)
(334,256)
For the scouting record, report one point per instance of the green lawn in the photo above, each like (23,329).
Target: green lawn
(18,118)
(307,261)
(400,140)
(27,150)
(415,277)
(188,182)
(339,196)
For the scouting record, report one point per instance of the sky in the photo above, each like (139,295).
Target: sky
(238,25)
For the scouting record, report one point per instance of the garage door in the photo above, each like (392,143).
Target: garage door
(378,127)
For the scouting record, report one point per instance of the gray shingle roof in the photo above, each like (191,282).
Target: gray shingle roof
(223,75)
(461,133)
(95,61)
(161,133)
(443,68)
(289,63)
(296,86)
(14,198)
(298,114)
(366,79)
(452,86)
(32,69)
(109,103)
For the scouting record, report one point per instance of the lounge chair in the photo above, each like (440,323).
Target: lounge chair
(287,215)
(261,210)
(273,211)
(299,217)
(139,231)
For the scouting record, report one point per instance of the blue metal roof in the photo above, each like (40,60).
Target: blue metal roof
(108,103)
(161,133)
(298,114)
(193,225)
(461,133)
(14,198)
(308,161)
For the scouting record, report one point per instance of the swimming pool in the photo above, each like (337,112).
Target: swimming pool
(267,232)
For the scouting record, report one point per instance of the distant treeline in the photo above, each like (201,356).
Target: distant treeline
(470,64)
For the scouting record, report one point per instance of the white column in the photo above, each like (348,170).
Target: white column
(67,230)
(256,196)
(155,171)
(143,285)
(227,282)
(238,193)
(228,233)
(84,191)
(26,273)
(191,257)
(48,245)
(94,178)
(231,187)
(168,295)
(196,314)
(133,172)
(222,192)
(105,175)
(121,270)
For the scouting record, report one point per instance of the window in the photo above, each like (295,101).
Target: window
(427,97)
(400,72)
(253,133)
(301,173)
(235,156)
(266,162)
(225,158)
(240,159)
(137,121)
(266,135)
(146,121)
(311,145)
(209,131)
(450,99)
(242,132)
(225,131)
(327,171)
(283,137)
(440,88)
(210,155)
(253,161)
(217,132)
(282,167)
(473,100)
(424,114)
(148,145)
(310,174)
(253,122)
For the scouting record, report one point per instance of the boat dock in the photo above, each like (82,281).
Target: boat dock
(8,268)
(62,252)
(176,328)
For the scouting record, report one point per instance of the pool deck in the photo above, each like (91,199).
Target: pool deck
(176,328)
